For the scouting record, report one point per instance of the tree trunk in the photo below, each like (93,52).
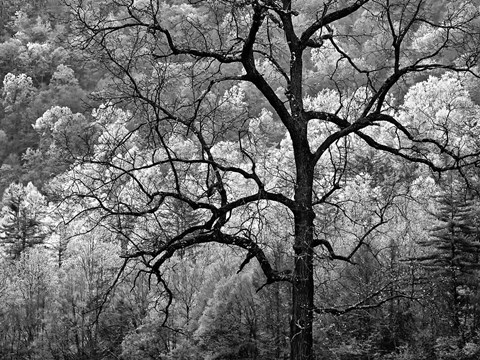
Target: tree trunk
(302,311)
(301,334)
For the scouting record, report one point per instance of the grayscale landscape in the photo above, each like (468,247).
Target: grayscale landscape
(240,179)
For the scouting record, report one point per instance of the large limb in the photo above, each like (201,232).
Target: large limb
(253,249)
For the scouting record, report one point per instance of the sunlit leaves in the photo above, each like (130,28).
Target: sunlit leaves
(441,108)
(59,121)
(17,90)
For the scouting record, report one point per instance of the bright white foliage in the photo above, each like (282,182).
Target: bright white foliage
(441,108)
(64,75)
(233,98)
(427,38)
(326,58)
(29,201)
(17,89)
(60,120)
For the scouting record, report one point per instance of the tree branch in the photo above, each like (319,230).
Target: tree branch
(168,250)
(329,18)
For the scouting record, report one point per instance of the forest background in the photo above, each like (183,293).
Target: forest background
(153,204)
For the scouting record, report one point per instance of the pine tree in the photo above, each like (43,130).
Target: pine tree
(21,219)
(452,259)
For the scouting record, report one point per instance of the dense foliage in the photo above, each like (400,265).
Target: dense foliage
(239,180)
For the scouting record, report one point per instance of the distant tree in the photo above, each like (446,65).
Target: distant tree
(22,219)
(17,95)
(30,295)
(75,328)
(452,258)
(3,144)
(231,322)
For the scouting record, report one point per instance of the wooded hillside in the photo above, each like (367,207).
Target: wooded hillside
(222,179)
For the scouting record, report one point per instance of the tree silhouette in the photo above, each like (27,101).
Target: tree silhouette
(192,79)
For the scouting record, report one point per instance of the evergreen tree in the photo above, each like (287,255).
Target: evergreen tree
(452,258)
(21,219)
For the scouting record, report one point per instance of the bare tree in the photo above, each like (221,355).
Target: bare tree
(176,68)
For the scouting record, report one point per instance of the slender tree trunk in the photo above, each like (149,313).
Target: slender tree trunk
(301,335)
